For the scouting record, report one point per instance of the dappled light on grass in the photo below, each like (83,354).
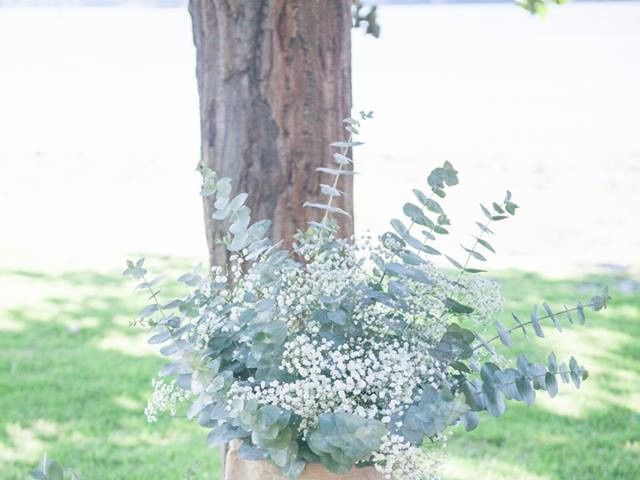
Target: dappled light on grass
(134,345)
(460,468)
(25,443)
(128,403)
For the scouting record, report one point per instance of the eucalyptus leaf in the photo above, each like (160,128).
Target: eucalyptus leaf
(535,322)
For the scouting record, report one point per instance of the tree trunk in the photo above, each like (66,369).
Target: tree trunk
(274,78)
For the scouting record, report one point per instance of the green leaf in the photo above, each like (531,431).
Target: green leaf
(564,372)
(329,190)
(224,187)
(580,312)
(223,434)
(551,383)
(520,324)
(443,219)
(161,337)
(574,372)
(428,234)
(454,262)
(420,196)
(484,228)
(511,207)
(341,159)
(535,322)
(455,344)
(148,310)
(487,346)
(552,363)
(460,366)
(599,302)
(470,420)
(431,415)
(551,315)
(429,203)
(486,212)
(472,391)
(474,270)
(399,227)
(568,314)
(54,470)
(250,452)
(409,272)
(493,399)
(485,244)
(341,440)
(526,391)
(488,372)
(346,144)
(457,307)
(335,172)
(327,208)
(497,208)
(523,363)
(416,215)
(505,336)
(474,254)
(441,176)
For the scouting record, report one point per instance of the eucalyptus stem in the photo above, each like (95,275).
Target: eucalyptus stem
(335,180)
(518,327)
(384,273)
(478,238)
(154,295)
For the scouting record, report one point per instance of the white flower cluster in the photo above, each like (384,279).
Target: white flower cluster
(376,374)
(165,398)
(398,459)
(483,295)
(366,377)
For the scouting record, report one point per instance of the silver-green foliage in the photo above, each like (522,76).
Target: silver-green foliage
(49,469)
(247,347)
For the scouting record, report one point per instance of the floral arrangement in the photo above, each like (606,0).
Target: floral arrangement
(346,352)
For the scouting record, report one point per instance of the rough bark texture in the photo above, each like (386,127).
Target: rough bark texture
(274,79)
(238,469)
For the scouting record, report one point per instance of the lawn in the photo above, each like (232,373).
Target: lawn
(74,378)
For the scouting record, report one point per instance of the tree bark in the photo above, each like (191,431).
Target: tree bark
(274,78)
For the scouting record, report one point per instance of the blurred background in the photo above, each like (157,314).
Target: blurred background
(99,140)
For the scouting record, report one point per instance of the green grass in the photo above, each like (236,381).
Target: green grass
(74,378)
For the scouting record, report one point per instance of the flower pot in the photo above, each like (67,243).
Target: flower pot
(239,469)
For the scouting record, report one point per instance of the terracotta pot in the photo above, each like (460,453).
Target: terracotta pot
(238,469)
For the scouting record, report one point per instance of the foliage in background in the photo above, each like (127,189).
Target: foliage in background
(345,352)
(538,7)
(365,17)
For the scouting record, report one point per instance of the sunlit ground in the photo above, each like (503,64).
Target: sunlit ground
(74,378)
